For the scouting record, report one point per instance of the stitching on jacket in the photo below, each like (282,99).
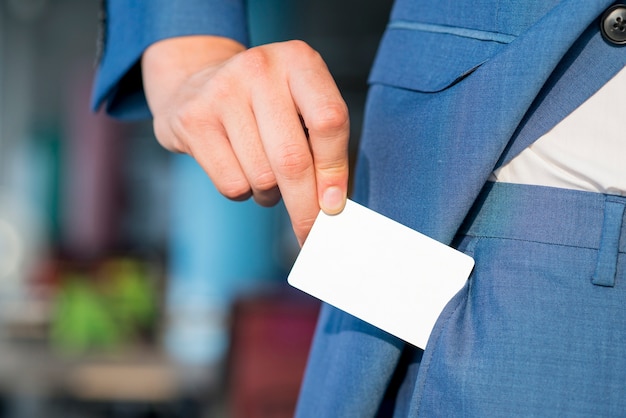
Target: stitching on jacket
(451,30)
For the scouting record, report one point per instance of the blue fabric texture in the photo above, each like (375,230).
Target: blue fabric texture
(133,25)
(532,335)
(441,110)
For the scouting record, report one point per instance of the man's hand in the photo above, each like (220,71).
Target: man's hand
(265,122)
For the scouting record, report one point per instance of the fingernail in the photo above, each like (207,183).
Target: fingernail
(333,200)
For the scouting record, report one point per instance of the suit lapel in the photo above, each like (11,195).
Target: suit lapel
(505,87)
(590,64)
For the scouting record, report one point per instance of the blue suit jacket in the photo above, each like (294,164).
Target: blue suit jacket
(455,91)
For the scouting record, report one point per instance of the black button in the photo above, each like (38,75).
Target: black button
(613,24)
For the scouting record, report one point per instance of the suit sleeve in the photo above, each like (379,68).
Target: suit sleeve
(128,27)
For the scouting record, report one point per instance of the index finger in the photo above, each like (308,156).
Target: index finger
(327,121)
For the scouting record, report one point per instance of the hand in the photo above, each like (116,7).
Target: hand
(264,122)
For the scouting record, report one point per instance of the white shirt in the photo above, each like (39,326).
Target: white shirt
(585,151)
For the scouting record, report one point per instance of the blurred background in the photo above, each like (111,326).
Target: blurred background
(128,286)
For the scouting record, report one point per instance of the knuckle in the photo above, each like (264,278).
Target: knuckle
(234,189)
(293,160)
(330,118)
(332,168)
(306,53)
(264,181)
(219,90)
(256,61)
(301,47)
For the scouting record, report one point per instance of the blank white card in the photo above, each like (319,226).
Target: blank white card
(380,271)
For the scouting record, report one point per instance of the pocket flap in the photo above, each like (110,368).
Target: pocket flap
(429,61)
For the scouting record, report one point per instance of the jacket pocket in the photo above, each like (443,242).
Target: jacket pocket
(430,58)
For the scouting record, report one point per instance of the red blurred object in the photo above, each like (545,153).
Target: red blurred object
(271,337)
